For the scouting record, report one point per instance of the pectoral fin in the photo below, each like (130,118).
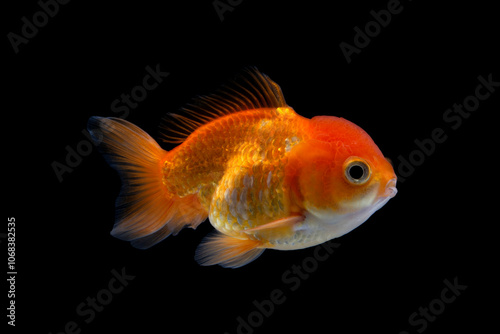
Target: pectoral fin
(287,222)
(277,229)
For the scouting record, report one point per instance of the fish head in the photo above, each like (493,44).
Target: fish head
(341,176)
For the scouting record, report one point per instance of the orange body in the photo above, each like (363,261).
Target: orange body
(265,176)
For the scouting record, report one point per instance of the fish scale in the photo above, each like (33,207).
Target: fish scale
(249,206)
(232,141)
(191,166)
(250,191)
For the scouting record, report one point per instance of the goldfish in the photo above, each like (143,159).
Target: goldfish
(266,177)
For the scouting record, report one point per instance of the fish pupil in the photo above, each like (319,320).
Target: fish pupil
(356,172)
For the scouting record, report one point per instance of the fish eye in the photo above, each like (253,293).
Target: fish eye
(357,171)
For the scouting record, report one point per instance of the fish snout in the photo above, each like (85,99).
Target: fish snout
(390,188)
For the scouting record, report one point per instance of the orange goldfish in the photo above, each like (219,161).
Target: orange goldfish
(265,176)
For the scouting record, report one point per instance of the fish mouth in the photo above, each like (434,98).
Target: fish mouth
(390,188)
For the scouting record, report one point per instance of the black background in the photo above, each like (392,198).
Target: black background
(397,88)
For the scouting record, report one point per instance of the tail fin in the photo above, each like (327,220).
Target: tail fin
(146,212)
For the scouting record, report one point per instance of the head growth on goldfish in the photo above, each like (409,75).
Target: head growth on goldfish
(265,176)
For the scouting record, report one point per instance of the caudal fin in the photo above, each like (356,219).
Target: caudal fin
(146,212)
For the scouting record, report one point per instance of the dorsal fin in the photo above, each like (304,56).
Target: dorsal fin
(249,90)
